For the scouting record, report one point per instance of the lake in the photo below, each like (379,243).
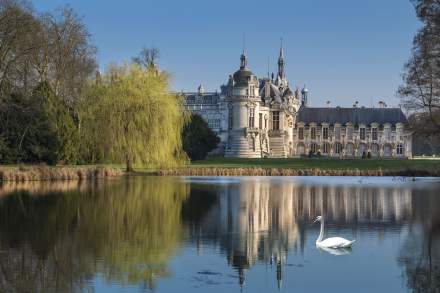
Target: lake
(220,234)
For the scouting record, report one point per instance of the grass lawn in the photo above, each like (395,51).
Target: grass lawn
(320,163)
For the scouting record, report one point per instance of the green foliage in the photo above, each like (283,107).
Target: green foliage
(131,117)
(27,133)
(61,123)
(198,138)
(37,129)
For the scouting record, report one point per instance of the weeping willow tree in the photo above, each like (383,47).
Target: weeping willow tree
(131,117)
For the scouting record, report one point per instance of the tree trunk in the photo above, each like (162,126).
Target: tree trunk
(129,164)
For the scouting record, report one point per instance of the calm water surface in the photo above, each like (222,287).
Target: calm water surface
(222,234)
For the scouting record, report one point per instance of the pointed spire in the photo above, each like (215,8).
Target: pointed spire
(243,59)
(281,50)
(281,70)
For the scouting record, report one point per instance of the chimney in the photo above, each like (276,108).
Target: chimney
(356,104)
(328,104)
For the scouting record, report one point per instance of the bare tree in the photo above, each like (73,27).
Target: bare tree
(420,93)
(147,57)
(17,44)
(69,52)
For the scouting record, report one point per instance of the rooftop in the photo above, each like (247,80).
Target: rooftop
(353,115)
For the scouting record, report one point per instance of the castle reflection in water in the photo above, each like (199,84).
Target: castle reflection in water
(261,220)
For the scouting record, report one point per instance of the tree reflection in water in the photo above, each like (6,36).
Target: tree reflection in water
(420,252)
(125,231)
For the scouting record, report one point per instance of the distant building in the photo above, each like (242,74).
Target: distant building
(257,118)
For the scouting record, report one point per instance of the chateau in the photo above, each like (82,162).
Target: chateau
(262,117)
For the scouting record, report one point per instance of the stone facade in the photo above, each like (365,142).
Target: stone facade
(257,118)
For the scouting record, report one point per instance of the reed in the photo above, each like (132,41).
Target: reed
(47,173)
(257,171)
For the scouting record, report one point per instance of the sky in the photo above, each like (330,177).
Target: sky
(343,50)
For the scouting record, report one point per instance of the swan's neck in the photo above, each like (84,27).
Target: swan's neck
(321,233)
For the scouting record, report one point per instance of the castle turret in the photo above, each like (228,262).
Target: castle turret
(281,63)
(304,96)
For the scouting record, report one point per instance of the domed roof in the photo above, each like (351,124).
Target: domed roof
(243,76)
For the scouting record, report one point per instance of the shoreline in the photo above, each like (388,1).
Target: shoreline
(258,171)
(79,173)
(56,173)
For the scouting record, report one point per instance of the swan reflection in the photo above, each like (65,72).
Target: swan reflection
(335,251)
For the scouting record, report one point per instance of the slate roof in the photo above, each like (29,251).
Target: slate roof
(274,93)
(354,115)
(242,77)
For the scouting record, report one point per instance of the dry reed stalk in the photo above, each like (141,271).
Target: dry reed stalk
(34,173)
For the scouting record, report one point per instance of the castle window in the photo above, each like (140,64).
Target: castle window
(338,148)
(362,133)
(400,149)
(313,148)
(325,148)
(337,132)
(214,123)
(349,133)
(251,117)
(374,133)
(325,133)
(387,133)
(313,133)
(260,120)
(275,120)
(301,133)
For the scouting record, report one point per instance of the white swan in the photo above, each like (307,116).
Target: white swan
(333,242)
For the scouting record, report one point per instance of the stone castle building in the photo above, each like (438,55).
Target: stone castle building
(263,117)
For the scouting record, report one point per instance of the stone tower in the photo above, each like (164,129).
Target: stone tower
(243,101)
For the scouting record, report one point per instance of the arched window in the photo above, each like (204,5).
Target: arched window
(325,148)
(375,150)
(313,132)
(337,132)
(301,133)
(251,117)
(338,148)
(349,132)
(350,149)
(301,149)
(325,132)
(400,149)
(313,148)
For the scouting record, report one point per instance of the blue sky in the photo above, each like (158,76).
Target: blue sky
(344,50)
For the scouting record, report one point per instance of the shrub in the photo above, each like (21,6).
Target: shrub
(198,138)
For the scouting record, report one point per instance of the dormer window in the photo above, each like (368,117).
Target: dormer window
(313,132)
(325,132)
(362,133)
(301,133)
(374,133)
